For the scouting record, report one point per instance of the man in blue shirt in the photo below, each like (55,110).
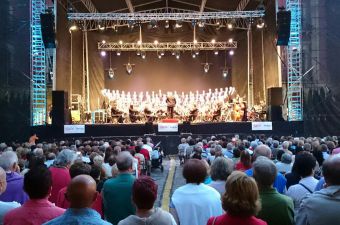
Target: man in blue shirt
(280,180)
(81,193)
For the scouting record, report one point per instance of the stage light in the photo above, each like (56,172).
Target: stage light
(216,52)
(162,53)
(195,41)
(218,23)
(73,26)
(193,55)
(230,26)
(153,24)
(178,42)
(231,40)
(139,42)
(103,41)
(178,24)
(100,27)
(173,53)
(119,53)
(111,73)
(197,52)
(260,23)
(177,55)
(201,24)
(231,52)
(155,42)
(120,42)
(143,54)
(138,53)
(206,67)
(129,68)
(225,73)
(103,53)
(213,41)
(167,25)
(159,54)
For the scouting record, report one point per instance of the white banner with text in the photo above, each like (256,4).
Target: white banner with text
(74,129)
(168,127)
(262,126)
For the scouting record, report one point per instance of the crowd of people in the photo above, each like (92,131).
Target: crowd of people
(253,180)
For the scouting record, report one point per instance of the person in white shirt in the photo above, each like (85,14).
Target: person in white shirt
(5,206)
(195,202)
(304,164)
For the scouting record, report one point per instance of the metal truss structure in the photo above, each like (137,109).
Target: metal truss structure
(294,95)
(167,46)
(38,65)
(92,21)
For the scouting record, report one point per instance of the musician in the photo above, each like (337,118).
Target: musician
(193,113)
(133,114)
(217,113)
(245,113)
(171,103)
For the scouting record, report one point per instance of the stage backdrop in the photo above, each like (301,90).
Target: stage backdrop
(151,74)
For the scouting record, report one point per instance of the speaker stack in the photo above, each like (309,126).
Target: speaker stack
(60,110)
(283,27)
(275,102)
(47,29)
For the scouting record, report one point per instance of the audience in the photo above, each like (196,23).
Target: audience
(144,195)
(245,161)
(195,202)
(240,202)
(14,190)
(305,164)
(285,163)
(81,193)
(5,206)
(322,207)
(277,209)
(37,210)
(221,168)
(117,192)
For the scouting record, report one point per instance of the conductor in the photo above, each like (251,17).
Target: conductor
(171,103)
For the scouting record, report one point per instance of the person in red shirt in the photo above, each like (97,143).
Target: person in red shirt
(76,169)
(146,153)
(241,202)
(245,161)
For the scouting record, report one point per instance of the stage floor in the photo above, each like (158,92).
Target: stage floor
(49,132)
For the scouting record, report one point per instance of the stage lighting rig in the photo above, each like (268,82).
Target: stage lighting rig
(167,24)
(129,67)
(103,53)
(225,72)
(260,23)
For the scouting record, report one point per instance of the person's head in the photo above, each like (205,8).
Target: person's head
(304,164)
(241,198)
(144,192)
(285,145)
(124,161)
(307,147)
(98,160)
(279,154)
(38,152)
(245,158)
(81,192)
(195,171)
(286,158)
(183,140)
(79,168)
(265,172)
(65,158)
(3,182)
(331,170)
(230,146)
(276,144)
(221,168)
(262,150)
(38,182)
(9,161)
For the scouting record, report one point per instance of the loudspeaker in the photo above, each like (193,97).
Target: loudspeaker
(275,113)
(47,29)
(149,128)
(275,96)
(283,27)
(60,111)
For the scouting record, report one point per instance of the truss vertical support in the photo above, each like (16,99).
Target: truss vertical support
(250,80)
(87,83)
(38,65)
(294,94)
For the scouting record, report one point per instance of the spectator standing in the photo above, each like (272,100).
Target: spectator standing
(14,190)
(285,164)
(37,210)
(221,168)
(117,192)
(245,162)
(277,209)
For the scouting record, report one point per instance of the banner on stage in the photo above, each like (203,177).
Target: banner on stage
(74,129)
(168,127)
(262,126)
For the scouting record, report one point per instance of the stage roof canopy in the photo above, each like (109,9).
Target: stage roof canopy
(126,6)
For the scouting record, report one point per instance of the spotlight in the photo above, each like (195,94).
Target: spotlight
(131,24)
(216,52)
(230,26)
(206,67)
(153,24)
(73,26)
(173,53)
(218,23)
(231,52)
(201,24)
(167,25)
(120,42)
(159,55)
(260,23)
(197,52)
(119,53)
(193,55)
(225,73)
(139,42)
(143,54)
(129,68)
(231,40)
(103,41)
(195,41)
(100,27)
(155,42)
(178,24)
(213,41)
(103,53)
(178,42)
(138,53)
(177,55)
(111,73)
(162,53)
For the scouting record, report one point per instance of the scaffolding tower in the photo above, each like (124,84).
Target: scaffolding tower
(295,98)
(38,65)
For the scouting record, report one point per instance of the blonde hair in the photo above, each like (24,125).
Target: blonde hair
(242,195)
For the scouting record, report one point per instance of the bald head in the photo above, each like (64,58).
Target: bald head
(262,150)
(331,170)
(81,192)
(3,182)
